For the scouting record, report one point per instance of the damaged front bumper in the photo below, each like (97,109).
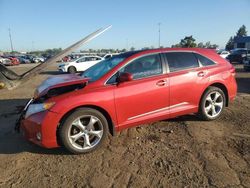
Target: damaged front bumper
(22,114)
(39,128)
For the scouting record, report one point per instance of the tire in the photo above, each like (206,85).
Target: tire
(72,70)
(78,135)
(210,108)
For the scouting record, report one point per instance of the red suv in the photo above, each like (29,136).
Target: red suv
(126,90)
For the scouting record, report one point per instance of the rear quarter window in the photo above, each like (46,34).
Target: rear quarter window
(204,60)
(181,60)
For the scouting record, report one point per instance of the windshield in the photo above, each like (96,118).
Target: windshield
(98,70)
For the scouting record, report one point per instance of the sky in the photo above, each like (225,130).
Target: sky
(43,24)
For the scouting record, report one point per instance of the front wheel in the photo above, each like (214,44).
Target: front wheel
(72,70)
(83,131)
(212,104)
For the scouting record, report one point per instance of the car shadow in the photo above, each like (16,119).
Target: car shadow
(189,117)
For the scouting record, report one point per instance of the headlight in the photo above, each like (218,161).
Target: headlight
(35,108)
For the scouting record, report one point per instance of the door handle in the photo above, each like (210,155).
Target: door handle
(161,83)
(201,74)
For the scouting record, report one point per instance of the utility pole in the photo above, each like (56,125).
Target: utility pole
(159,42)
(10,41)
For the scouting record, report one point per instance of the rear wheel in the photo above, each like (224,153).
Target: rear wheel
(72,70)
(83,131)
(212,104)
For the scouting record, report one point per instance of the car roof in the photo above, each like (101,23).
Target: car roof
(209,53)
(162,50)
(88,56)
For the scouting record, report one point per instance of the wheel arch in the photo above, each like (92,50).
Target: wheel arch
(222,87)
(103,111)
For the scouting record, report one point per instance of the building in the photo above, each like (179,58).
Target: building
(242,42)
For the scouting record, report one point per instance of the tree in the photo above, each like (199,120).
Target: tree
(123,50)
(188,42)
(201,45)
(175,46)
(230,44)
(242,32)
(132,48)
(145,48)
(211,46)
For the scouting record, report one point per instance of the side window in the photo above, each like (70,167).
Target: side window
(97,59)
(88,59)
(113,79)
(81,60)
(181,60)
(204,61)
(144,67)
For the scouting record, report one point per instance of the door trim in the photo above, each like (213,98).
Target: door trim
(158,110)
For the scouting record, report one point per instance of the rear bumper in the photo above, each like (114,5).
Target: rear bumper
(232,90)
(41,128)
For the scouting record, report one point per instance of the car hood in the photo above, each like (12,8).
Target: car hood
(59,82)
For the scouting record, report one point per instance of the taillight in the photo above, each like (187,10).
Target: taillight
(232,71)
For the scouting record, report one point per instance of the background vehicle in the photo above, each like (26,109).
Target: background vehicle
(223,53)
(23,60)
(78,111)
(80,64)
(38,59)
(13,59)
(5,61)
(246,62)
(237,55)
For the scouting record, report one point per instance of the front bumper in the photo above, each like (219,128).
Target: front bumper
(62,69)
(39,128)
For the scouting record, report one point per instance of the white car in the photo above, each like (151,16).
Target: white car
(223,53)
(80,64)
(38,59)
(5,61)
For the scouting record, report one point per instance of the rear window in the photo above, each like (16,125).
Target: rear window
(204,61)
(181,60)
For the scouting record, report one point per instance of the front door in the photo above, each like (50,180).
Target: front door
(146,97)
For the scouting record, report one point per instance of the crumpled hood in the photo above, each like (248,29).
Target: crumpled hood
(59,81)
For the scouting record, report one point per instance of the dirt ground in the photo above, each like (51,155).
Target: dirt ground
(182,152)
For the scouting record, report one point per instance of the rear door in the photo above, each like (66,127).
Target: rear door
(187,79)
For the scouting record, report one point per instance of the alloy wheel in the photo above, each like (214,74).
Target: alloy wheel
(213,104)
(85,132)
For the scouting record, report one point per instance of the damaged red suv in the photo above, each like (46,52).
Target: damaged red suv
(133,88)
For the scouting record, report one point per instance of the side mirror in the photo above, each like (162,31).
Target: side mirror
(124,77)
